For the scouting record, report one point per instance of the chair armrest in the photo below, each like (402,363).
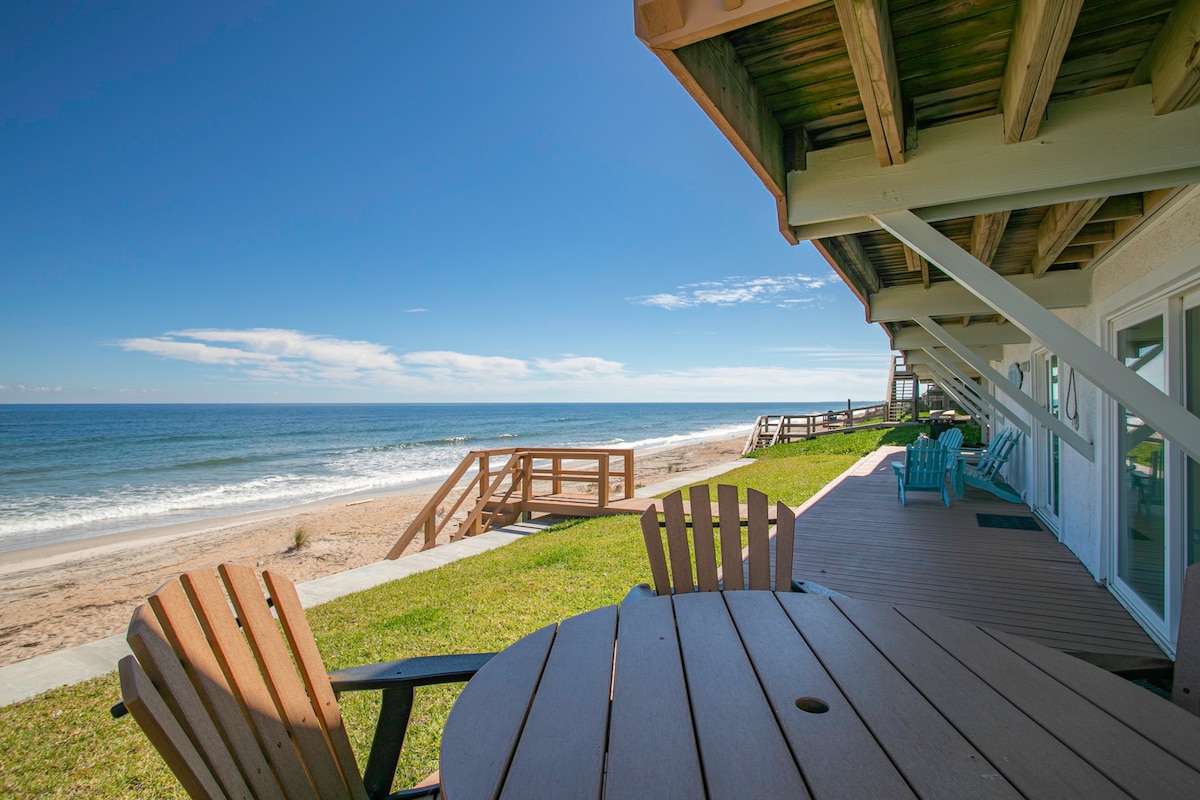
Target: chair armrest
(418,671)
(1133,668)
(642,591)
(898,467)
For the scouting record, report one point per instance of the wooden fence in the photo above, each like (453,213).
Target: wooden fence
(770,429)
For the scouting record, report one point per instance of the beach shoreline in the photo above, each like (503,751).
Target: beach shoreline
(62,595)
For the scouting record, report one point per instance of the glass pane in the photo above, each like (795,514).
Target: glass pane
(1191,351)
(1141,550)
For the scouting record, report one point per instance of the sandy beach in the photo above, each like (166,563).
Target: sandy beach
(53,598)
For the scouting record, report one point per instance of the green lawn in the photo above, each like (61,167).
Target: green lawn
(64,744)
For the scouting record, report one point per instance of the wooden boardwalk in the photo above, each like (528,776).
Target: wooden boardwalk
(859,540)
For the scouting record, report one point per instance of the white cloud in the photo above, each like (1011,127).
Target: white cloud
(294,358)
(783,290)
(21,388)
(449,361)
(581,366)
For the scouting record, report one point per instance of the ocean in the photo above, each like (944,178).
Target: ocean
(72,472)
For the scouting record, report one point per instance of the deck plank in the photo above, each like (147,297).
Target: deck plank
(858,540)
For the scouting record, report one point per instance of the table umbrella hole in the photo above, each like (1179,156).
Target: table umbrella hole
(813,705)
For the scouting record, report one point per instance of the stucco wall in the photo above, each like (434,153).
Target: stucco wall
(1133,270)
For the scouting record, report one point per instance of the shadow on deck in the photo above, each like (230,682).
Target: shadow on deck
(859,540)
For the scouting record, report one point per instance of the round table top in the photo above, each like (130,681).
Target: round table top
(762,694)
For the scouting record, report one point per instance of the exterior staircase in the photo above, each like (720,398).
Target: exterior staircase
(902,391)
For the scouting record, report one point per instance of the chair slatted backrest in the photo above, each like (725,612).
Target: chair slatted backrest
(1185,690)
(925,465)
(997,453)
(951,441)
(236,710)
(672,570)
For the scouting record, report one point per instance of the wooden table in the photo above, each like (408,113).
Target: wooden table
(753,694)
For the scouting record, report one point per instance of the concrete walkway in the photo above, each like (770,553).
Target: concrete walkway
(25,679)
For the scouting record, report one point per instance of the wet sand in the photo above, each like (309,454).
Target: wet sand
(61,596)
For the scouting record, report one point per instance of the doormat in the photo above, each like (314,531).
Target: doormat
(1010,521)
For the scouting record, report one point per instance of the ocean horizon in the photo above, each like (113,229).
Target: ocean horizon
(75,472)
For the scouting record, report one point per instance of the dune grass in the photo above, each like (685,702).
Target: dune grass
(64,744)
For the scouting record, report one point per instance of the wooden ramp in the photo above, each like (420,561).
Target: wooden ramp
(859,540)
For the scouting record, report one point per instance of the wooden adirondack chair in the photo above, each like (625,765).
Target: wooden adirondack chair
(238,712)
(923,470)
(1183,675)
(986,474)
(676,575)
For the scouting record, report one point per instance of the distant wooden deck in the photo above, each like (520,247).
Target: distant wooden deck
(859,540)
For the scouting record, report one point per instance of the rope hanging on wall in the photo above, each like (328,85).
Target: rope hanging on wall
(1071,402)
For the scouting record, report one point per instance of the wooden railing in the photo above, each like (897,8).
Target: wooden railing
(771,429)
(498,497)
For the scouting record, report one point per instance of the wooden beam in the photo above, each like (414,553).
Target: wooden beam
(1089,359)
(660,16)
(1175,69)
(986,232)
(1031,406)
(913,337)
(868,32)
(704,19)
(1102,145)
(917,264)
(848,258)
(1058,228)
(1066,289)
(985,352)
(1040,36)
(713,75)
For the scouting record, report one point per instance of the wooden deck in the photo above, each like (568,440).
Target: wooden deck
(859,540)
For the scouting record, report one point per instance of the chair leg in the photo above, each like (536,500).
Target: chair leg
(394,711)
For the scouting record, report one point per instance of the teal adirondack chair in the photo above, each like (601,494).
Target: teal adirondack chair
(951,440)
(923,470)
(986,474)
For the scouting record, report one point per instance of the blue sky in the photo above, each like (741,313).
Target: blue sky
(389,202)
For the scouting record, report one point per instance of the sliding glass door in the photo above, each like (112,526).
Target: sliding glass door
(1141,524)
(1157,532)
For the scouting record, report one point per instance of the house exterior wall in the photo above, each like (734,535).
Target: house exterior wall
(1123,280)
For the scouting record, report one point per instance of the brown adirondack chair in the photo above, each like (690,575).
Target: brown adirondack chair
(1182,675)
(679,577)
(238,712)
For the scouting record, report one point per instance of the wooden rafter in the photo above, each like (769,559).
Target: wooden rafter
(1058,228)
(847,256)
(1175,59)
(917,264)
(1040,37)
(986,232)
(868,32)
